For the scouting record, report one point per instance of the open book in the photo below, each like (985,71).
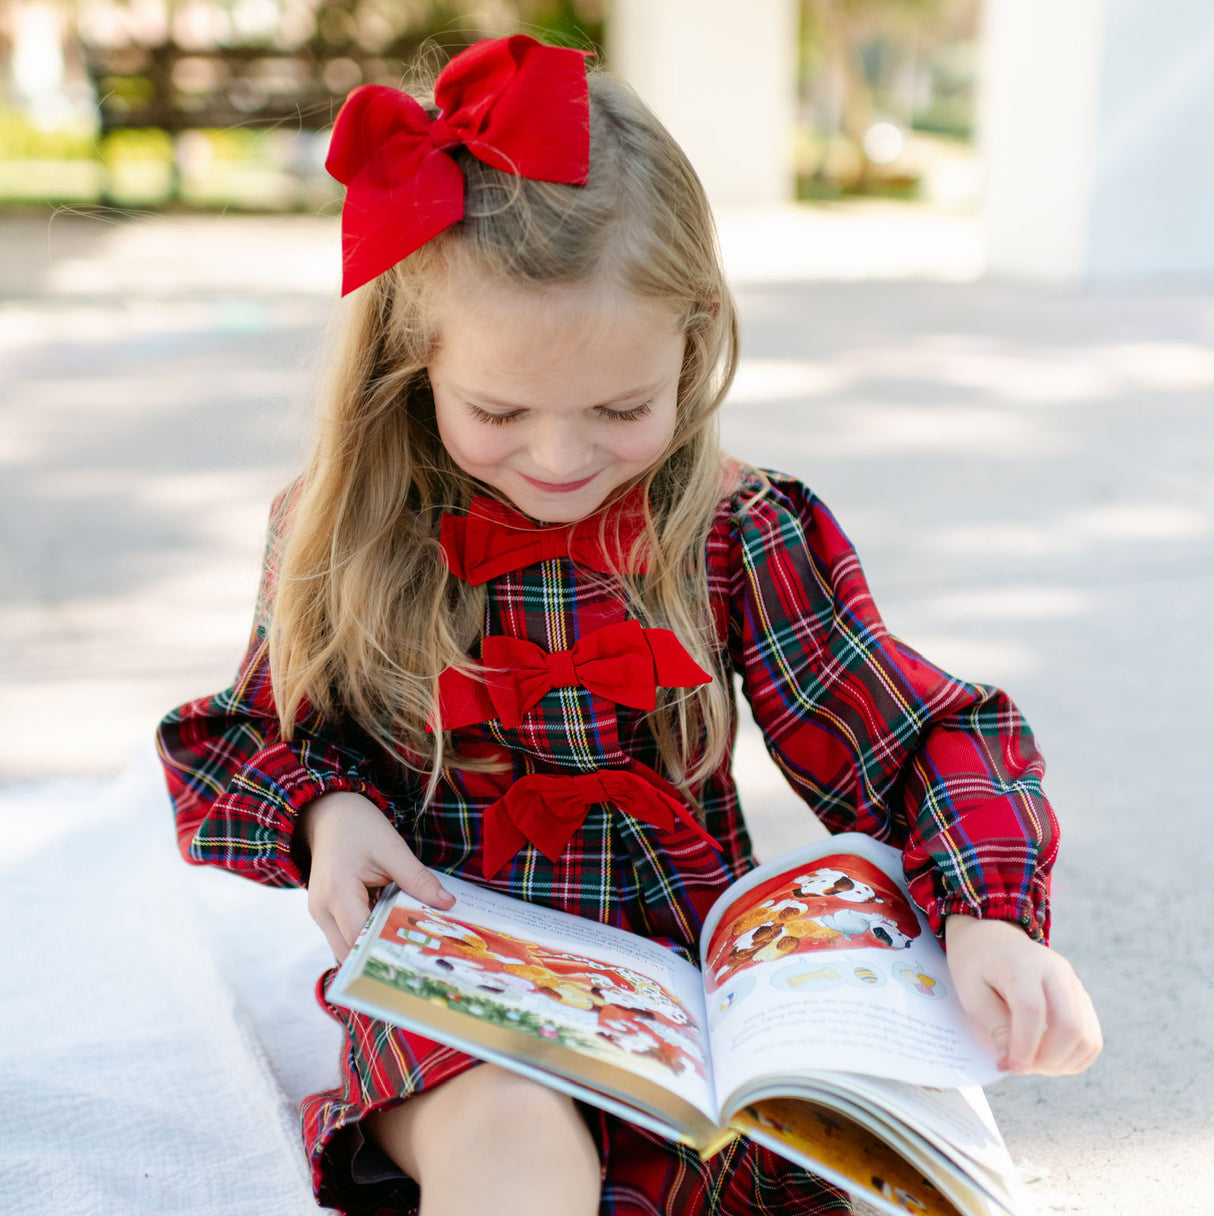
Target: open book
(820,1023)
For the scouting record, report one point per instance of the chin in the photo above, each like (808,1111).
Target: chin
(556,508)
(557,512)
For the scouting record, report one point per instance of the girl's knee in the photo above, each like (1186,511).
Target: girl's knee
(485,1113)
(489,1140)
(497,1108)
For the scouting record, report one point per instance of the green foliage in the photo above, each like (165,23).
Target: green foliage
(138,144)
(126,93)
(20,139)
(566,22)
(907,62)
(247,165)
(483,1008)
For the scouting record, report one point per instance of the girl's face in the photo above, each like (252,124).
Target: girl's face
(554,396)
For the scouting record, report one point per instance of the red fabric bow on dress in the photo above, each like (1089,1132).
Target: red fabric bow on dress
(548,810)
(493,539)
(514,103)
(624,663)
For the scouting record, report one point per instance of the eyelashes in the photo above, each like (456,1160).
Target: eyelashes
(481,415)
(637,411)
(629,415)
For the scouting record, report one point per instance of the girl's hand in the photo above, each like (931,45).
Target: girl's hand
(355,850)
(1026,997)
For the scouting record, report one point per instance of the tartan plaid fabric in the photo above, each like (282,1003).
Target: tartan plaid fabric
(643,1174)
(868,733)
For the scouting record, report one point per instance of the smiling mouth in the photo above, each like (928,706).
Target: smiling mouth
(559,487)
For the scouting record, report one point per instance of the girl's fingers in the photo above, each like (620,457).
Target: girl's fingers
(340,913)
(350,911)
(328,926)
(987,1008)
(1027,998)
(1027,1006)
(1081,1058)
(1074,1038)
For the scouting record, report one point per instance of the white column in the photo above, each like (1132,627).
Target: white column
(721,74)
(1097,129)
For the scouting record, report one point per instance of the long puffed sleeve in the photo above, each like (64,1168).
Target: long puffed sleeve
(872,736)
(237,786)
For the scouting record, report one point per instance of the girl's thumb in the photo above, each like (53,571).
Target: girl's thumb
(415,879)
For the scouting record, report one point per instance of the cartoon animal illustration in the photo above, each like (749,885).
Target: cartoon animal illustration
(822,908)
(837,884)
(756,937)
(851,923)
(616,1004)
(644,996)
(474,976)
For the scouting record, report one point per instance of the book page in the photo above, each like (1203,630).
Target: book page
(845,1153)
(821,961)
(556,991)
(958,1120)
(930,1185)
(951,1133)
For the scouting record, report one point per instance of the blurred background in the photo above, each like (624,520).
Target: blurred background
(972,246)
(1082,128)
(227,103)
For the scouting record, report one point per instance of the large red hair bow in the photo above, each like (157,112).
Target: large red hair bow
(624,663)
(514,103)
(493,539)
(548,809)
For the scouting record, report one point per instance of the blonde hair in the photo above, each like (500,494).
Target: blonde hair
(366,614)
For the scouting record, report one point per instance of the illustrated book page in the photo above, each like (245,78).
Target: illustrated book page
(822,1024)
(824,984)
(576,1003)
(820,961)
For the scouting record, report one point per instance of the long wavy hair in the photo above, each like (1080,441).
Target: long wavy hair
(366,616)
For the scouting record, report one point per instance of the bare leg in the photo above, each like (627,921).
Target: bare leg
(491,1141)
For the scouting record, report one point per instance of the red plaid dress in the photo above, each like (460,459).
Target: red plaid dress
(868,733)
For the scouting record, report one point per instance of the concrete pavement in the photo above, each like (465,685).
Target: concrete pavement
(1027,474)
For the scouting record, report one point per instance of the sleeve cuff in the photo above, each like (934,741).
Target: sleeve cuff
(251,828)
(1031,910)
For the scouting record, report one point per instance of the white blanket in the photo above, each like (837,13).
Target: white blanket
(157,1024)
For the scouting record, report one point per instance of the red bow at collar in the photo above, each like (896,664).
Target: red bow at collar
(548,810)
(624,663)
(514,103)
(493,539)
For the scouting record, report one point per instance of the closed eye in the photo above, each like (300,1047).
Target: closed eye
(492,419)
(603,411)
(631,415)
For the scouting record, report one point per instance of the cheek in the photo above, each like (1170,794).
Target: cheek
(646,443)
(469,443)
(481,448)
(640,449)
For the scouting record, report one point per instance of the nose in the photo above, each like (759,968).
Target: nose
(560,450)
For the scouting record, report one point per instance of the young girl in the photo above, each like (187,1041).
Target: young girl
(499,624)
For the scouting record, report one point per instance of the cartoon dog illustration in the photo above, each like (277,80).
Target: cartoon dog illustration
(837,884)
(763,942)
(852,923)
(822,908)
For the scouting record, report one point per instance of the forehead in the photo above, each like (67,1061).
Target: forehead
(493,333)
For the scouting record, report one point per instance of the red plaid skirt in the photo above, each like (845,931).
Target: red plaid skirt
(643,1173)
